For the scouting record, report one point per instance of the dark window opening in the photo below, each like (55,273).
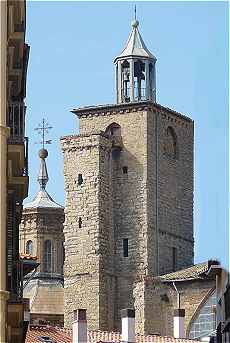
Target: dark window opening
(125,247)
(80,223)
(174,258)
(80,179)
(125,170)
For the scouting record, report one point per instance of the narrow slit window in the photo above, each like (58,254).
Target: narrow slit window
(80,223)
(125,247)
(80,179)
(125,170)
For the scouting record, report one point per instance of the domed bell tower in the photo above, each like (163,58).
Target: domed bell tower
(135,70)
(41,235)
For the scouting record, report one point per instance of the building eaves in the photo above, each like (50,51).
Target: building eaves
(109,109)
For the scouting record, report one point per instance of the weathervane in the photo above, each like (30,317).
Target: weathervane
(43,129)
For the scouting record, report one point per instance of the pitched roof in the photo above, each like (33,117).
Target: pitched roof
(135,45)
(196,271)
(42,200)
(60,335)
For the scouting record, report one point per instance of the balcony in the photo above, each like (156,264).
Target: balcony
(17,150)
(16,121)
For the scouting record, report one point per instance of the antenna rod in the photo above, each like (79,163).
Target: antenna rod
(135,12)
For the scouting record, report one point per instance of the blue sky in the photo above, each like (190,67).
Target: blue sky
(73,45)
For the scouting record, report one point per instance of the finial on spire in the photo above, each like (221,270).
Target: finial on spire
(135,22)
(43,174)
(43,178)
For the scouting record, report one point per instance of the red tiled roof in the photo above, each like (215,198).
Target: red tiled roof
(61,335)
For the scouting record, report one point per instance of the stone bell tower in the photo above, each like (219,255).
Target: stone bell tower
(41,235)
(129,192)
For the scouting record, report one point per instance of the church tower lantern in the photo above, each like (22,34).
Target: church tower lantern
(135,70)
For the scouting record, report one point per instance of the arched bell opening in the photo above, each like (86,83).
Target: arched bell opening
(139,81)
(125,75)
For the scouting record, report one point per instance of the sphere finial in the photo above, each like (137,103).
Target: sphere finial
(135,23)
(43,153)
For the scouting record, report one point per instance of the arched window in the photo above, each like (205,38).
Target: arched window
(47,256)
(113,130)
(170,143)
(29,247)
(204,321)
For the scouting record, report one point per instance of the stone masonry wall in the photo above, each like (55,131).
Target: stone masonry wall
(89,246)
(129,201)
(174,192)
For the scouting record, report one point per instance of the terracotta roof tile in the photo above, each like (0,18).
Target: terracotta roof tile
(61,335)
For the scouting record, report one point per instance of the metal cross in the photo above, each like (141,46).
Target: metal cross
(43,129)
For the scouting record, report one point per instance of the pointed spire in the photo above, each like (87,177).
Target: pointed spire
(135,45)
(43,174)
